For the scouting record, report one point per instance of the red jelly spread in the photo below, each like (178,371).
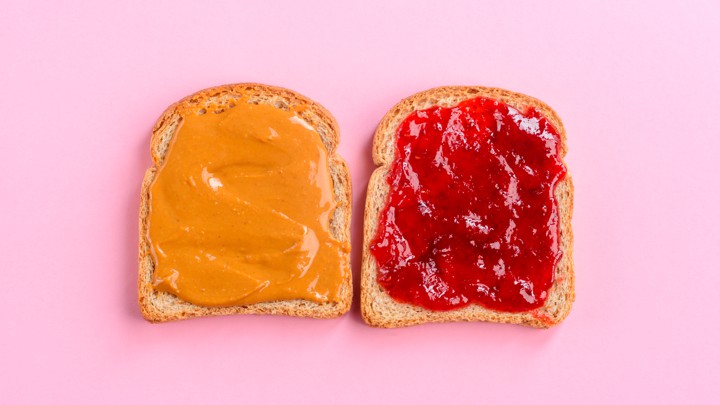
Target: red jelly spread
(471,217)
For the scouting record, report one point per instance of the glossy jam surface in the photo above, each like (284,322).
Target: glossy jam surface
(240,211)
(471,217)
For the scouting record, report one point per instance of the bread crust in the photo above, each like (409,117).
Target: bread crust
(158,306)
(377,307)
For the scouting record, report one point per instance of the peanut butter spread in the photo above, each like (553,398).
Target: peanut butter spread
(240,211)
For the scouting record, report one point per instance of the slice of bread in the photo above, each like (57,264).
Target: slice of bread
(378,308)
(160,306)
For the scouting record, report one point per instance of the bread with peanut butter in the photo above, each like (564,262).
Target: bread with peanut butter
(421,278)
(246,209)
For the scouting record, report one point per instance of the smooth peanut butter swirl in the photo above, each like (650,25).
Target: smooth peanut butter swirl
(240,211)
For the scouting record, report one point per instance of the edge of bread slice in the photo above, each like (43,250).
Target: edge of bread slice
(158,306)
(378,308)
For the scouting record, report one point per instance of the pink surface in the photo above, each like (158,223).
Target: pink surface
(637,87)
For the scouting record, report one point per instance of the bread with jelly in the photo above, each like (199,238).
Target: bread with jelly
(377,306)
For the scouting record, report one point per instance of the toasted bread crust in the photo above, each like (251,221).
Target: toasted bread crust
(160,306)
(378,308)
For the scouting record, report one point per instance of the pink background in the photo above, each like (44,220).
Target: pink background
(636,85)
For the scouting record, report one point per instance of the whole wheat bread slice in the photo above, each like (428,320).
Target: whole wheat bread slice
(160,306)
(378,308)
